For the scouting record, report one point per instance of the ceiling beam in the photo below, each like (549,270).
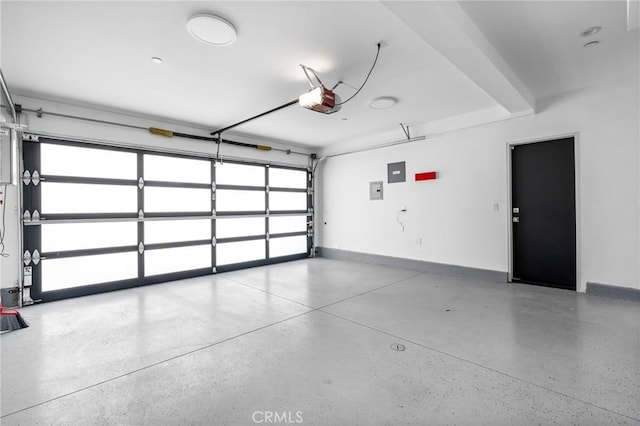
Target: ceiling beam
(448,29)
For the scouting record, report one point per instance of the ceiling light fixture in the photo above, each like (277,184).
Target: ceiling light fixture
(211,29)
(156,60)
(383,102)
(592,43)
(590,31)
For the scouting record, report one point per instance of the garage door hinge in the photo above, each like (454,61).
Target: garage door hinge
(36,257)
(28,217)
(26,258)
(30,137)
(34,177)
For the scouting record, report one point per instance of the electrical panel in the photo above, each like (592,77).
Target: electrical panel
(375,190)
(396,172)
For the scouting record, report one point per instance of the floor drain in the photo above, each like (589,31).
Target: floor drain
(398,347)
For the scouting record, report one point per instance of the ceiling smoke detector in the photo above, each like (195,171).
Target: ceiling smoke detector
(211,29)
(592,43)
(383,102)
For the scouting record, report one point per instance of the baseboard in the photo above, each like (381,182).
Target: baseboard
(614,292)
(411,264)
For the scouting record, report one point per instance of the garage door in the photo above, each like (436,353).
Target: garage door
(98,218)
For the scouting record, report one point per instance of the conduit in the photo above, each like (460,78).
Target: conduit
(7,96)
(385,145)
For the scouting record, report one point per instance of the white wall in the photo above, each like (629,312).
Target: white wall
(10,266)
(454,215)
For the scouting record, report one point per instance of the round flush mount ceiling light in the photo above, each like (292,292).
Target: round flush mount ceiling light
(384,102)
(590,31)
(156,60)
(211,29)
(592,43)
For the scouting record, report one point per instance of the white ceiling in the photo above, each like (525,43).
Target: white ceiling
(540,40)
(446,62)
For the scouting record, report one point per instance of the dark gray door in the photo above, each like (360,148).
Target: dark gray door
(544,213)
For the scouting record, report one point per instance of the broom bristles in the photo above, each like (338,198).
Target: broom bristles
(13,321)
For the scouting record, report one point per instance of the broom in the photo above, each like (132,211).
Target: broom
(10,319)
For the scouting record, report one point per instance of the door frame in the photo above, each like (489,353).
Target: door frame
(581,287)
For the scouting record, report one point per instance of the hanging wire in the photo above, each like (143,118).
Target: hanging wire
(366,79)
(3,230)
(401,222)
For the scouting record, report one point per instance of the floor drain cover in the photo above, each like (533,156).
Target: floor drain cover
(398,347)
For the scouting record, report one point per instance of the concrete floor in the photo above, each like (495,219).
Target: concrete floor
(309,342)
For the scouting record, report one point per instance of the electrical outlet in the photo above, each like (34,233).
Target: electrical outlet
(418,241)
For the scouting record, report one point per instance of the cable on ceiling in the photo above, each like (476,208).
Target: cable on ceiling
(366,79)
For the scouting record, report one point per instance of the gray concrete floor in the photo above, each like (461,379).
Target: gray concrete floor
(309,342)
